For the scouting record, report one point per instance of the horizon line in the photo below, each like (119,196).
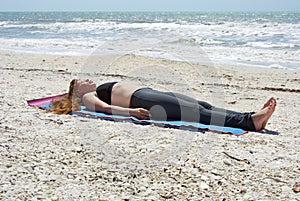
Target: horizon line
(150,11)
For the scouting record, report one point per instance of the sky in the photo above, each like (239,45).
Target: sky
(149,5)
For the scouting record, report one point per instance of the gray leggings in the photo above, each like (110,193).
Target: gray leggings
(175,106)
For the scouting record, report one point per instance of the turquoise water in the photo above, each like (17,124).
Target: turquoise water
(243,38)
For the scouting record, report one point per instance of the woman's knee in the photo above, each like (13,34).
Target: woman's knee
(206,105)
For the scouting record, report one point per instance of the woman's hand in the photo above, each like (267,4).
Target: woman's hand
(140,113)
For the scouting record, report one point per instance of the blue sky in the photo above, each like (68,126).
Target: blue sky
(149,5)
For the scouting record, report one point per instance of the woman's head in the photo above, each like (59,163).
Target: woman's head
(72,101)
(82,87)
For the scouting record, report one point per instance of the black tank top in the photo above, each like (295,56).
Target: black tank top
(104,92)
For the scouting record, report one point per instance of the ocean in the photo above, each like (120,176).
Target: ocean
(265,39)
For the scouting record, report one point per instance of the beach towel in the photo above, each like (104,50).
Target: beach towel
(45,103)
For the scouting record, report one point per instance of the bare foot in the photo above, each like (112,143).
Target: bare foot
(261,118)
(272,99)
(268,103)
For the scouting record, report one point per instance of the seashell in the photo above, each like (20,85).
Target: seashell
(296,187)
(227,162)
(204,186)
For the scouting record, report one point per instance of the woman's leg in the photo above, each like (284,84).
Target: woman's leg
(206,105)
(163,105)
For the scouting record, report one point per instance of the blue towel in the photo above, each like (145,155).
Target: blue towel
(192,126)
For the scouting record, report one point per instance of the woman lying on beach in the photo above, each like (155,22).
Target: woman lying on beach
(124,98)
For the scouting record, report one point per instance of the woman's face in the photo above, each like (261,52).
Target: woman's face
(85,86)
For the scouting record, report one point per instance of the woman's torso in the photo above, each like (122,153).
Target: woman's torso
(121,93)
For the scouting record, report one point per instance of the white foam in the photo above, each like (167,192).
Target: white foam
(254,42)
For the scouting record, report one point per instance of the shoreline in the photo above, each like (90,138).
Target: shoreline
(58,157)
(91,53)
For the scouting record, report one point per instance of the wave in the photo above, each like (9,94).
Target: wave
(248,37)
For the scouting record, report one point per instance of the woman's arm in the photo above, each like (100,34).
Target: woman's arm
(92,102)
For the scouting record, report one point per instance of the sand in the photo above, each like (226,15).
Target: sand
(63,157)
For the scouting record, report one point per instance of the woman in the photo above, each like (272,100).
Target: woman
(124,98)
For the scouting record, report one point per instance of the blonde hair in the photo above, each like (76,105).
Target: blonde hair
(71,102)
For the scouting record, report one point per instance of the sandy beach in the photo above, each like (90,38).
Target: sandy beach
(63,157)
